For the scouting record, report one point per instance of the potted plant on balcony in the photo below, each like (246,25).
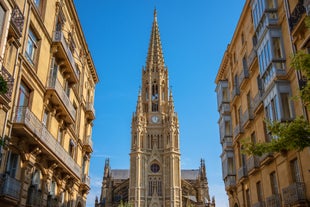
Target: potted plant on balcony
(3,85)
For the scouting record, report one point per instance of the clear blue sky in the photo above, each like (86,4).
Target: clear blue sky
(194,36)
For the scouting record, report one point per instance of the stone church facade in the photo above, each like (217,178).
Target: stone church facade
(155,177)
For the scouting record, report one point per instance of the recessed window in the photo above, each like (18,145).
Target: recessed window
(32,46)
(155,168)
(2,16)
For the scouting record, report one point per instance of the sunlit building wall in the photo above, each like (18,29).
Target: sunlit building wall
(47,113)
(256,82)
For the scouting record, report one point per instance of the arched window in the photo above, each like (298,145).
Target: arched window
(36,179)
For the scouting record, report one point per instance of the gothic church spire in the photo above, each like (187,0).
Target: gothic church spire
(155,58)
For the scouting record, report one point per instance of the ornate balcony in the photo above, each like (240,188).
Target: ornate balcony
(35,197)
(227,143)
(252,164)
(88,144)
(9,188)
(90,110)
(17,22)
(56,94)
(224,109)
(28,125)
(259,204)
(273,201)
(230,182)
(294,194)
(266,158)
(85,184)
(297,14)
(9,81)
(62,51)
(242,173)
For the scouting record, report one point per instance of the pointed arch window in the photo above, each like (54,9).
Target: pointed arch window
(154,91)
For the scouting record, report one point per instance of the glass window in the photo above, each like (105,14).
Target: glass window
(71,148)
(59,135)
(37,3)
(155,168)
(32,46)
(227,128)
(2,16)
(253,138)
(273,183)
(12,164)
(285,106)
(248,198)
(276,43)
(296,177)
(230,161)
(259,191)
(36,179)
(45,118)
(24,93)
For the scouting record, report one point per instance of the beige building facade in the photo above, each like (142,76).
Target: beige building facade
(46,116)
(256,82)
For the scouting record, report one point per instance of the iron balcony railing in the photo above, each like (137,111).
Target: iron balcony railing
(26,117)
(273,201)
(17,20)
(296,15)
(224,108)
(294,193)
(59,37)
(230,181)
(9,186)
(55,85)
(257,100)
(259,204)
(86,180)
(35,197)
(252,163)
(9,81)
(242,172)
(90,107)
(238,130)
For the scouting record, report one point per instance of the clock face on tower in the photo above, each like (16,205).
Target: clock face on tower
(155,119)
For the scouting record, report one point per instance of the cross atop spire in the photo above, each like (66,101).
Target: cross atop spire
(155,58)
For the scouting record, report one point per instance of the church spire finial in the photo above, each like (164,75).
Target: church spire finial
(155,14)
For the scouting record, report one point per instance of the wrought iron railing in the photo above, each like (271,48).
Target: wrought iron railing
(252,163)
(259,204)
(90,107)
(59,37)
(17,20)
(35,197)
(294,193)
(86,180)
(251,56)
(242,172)
(296,15)
(25,116)
(9,81)
(246,116)
(9,186)
(55,85)
(230,181)
(273,201)
(257,100)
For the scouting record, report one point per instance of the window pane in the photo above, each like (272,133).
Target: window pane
(285,106)
(276,47)
(2,13)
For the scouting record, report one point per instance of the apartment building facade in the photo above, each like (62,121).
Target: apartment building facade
(256,82)
(47,113)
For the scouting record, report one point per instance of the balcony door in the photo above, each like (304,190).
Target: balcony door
(23,101)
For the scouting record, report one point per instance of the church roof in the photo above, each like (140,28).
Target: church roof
(189,174)
(185,174)
(120,174)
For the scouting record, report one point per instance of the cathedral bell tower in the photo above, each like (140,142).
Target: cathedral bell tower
(155,174)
